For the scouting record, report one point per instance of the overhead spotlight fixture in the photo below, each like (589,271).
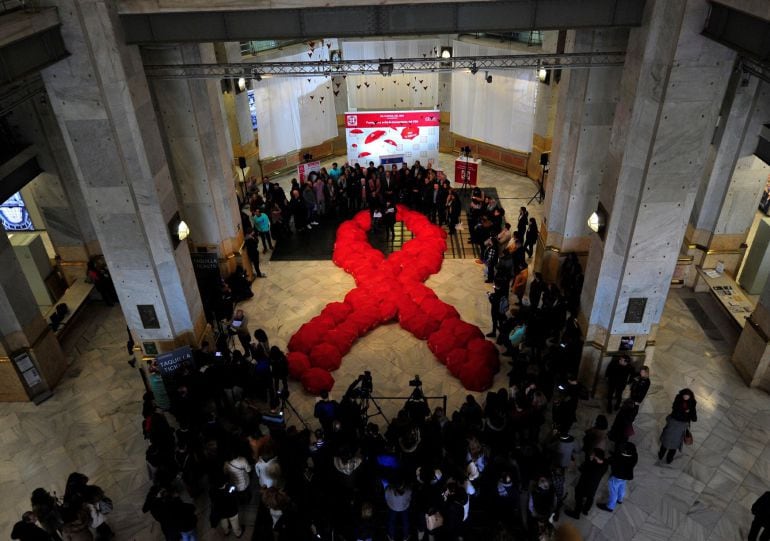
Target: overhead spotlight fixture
(474,68)
(257,76)
(386,67)
(542,74)
(446,52)
(488,77)
(242,84)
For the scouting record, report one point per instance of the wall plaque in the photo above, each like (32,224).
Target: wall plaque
(149,316)
(635,310)
(150,348)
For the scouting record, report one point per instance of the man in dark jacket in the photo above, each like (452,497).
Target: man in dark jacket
(640,385)
(761,511)
(618,372)
(621,470)
(591,473)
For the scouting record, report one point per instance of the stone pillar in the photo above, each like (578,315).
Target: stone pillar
(23,330)
(193,128)
(237,113)
(673,83)
(587,101)
(752,353)
(545,112)
(62,210)
(733,180)
(102,103)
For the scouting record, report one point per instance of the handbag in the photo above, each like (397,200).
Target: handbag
(687,437)
(433,521)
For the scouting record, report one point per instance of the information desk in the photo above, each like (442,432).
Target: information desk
(727,292)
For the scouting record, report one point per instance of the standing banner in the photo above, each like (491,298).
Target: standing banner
(467,169)
(304,169)
(411,134)
(170,362)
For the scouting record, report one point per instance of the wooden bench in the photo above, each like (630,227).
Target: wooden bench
(75,298)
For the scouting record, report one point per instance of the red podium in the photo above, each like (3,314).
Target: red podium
(467,170)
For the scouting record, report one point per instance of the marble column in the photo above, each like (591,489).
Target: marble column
(237,113)
(584,117)
(545,112)
(102,104)
(23,330)
(733,181)
(62,210)
(671,90)
(751,357)
(197,142)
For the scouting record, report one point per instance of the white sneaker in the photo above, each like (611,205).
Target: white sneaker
(313,223)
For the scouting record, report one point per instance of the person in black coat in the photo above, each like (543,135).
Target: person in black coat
(27,530)
(224,506)
(621,471)
(623,425)
(591,473)
(640,385)
(530,237)
(452,211)
(618,372)
(761,512)
(521,225)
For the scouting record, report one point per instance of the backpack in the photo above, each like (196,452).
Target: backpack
(505,305)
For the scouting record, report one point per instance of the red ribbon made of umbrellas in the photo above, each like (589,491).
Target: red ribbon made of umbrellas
(390,289)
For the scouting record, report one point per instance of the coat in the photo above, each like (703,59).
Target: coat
(673,433)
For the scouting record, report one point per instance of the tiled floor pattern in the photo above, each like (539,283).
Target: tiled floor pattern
(92,423)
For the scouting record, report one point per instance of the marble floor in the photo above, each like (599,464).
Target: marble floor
(92,423)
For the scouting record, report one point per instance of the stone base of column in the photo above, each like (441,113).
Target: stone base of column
(709,249)
(751,357)
(50,362)
(598,351)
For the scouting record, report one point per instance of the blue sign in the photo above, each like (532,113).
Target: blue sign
(252,110)
(14,215)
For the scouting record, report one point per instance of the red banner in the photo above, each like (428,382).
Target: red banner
(466,170)
(392,119)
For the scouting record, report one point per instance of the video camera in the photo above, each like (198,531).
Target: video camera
(362,386)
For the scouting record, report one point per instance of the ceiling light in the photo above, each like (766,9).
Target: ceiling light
(242,84)
(385,68)
(446,52)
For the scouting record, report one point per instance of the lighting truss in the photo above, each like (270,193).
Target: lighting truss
(760,70)
(328,68)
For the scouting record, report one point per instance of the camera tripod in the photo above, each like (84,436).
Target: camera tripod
(365,415)
(284,396)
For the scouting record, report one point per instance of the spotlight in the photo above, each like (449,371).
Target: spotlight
(257,76)
(541,74)
(474,68)
(386,67)
(488,77)
(242,84)
(446,52)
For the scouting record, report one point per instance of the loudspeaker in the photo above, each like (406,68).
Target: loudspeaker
(544,158)
(241,162)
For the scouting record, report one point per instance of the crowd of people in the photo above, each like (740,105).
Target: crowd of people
(219,444)
(79,515)
(339,192)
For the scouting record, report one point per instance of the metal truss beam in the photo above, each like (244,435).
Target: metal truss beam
(390,65)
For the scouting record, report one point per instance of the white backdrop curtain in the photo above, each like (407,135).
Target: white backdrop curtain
(294,112)
(500,113)
(398,91)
